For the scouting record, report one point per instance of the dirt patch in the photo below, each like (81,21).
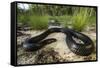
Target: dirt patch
(52,53)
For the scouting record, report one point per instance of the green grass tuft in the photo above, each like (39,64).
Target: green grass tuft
(39,22)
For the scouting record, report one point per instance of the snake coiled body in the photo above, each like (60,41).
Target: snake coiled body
(83,49)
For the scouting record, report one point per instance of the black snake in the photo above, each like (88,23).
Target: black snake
(83,49)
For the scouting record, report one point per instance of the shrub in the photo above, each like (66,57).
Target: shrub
(80,20)
(38,22)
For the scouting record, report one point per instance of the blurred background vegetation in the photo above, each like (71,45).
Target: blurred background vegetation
(38,15)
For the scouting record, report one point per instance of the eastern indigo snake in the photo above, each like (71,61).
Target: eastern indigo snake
(83,49)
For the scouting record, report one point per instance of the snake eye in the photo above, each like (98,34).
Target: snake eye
(77,40)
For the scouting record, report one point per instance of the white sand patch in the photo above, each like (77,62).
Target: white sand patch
(60,47)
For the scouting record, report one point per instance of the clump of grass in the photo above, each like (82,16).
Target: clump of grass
(79,23)
(39,22)
(23,19)
(80,20)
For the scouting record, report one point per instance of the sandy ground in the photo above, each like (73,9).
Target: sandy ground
(52,53)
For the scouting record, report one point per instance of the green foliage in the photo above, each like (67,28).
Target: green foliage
(23,19)
(39,22)
(92,20)
(80,20)
(76,17)
(79,23)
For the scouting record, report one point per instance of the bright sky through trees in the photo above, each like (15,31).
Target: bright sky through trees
(23,6)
